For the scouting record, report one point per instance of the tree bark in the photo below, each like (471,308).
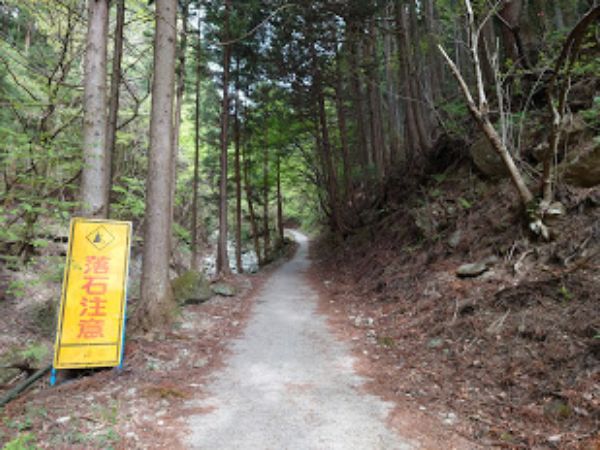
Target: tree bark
(341,115)
(279,202)
(94,192)
(156,293)
(267,233)
(421,119)
(378,144)
(195,262)
(113,106)
(222,257)
(238,176)
(251,212)
(358,95)
(178,104)
(392,98)
(330,177)
(412,138)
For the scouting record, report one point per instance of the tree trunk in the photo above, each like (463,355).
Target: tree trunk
(222,257)
(94,177)
(435,69)
(420,117)
(238,176)
(330,177)
(196,263)
(358,96)
(412,138)
(279,202)
(113,106)
(251,212)
(378,144)
(178,105)
(392,99)
(267,233)
(156,293)
(341,114)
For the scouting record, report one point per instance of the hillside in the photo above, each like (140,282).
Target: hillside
(509,351)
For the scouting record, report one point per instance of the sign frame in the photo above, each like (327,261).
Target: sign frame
(103,240)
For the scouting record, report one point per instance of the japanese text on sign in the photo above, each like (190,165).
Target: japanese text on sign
(91,320)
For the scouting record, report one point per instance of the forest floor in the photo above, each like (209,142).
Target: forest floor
(140,406)
(508,357)
(293,383)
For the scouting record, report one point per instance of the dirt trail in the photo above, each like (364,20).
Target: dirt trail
(290,384)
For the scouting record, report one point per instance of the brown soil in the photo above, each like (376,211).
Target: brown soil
(510,358)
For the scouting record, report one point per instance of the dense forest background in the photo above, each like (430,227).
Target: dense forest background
(325,101)
(382,125)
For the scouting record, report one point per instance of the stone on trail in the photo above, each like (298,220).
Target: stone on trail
(471,270)
(224,289)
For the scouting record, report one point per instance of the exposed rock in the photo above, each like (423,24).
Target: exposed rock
(224,289)
(486,159)
(491,260)
(471,270)
(450,418)
(435,343)
(191,287)
(455,238)
(584,169)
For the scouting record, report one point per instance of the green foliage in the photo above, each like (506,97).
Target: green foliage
(16,288)
(25,441)
(108,414)
(108,439)
(35,352)
(439,177)
(130,200)
(592,115)
(464,203)
(566,295)
(456,118)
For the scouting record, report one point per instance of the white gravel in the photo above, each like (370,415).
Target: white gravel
(290,384)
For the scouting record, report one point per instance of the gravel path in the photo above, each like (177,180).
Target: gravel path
(290,384)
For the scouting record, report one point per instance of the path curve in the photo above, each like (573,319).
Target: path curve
(289,383)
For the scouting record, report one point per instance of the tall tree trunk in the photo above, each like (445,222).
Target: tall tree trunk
(421,118)
(222,257)
(341,115)
(378,143)
(267,233)
(196,263)
(279,202)
(113,106)
(412,138)
(325,148)
(251,212)
(156,293)
(392,97)
(358,95)
(94,177)
(178,104)
(364,55)
(238,176)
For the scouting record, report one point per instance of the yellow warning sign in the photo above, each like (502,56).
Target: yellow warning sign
(92,309)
